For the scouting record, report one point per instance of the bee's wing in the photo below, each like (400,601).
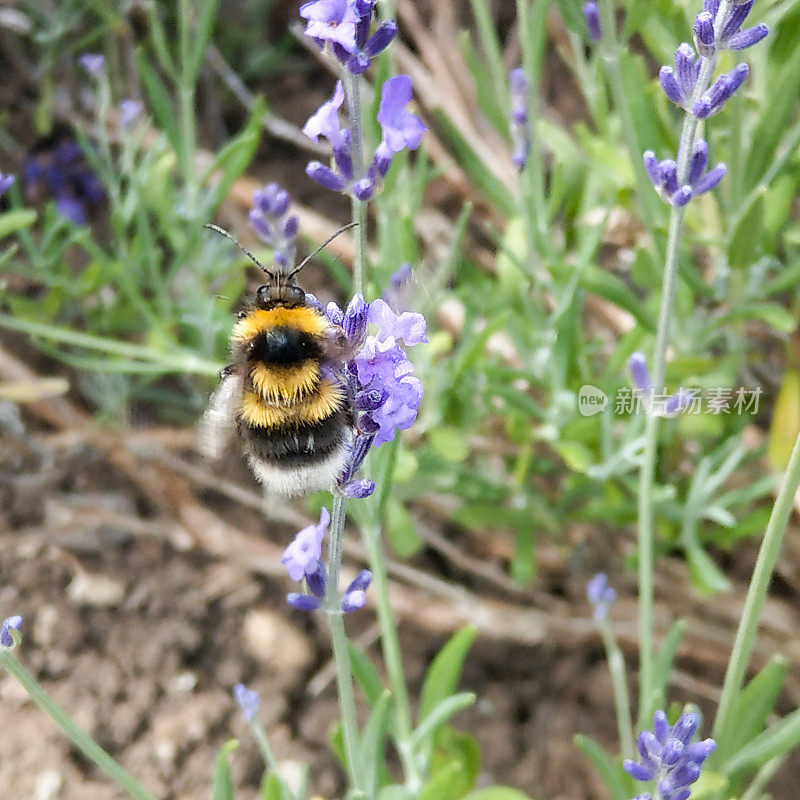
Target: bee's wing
(219,420)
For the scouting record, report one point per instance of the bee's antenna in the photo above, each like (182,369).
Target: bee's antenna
(320,248)
(227,235)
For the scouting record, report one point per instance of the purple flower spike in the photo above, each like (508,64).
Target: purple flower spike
(302,556)
(324,176)
(710,180)
(668,758)
(670,85)
(248,700)
(332,21)
(325,121)
(637,364)
(720,92)
(600,595)
(273,224)
(703,30)
(354,321)
(519,128)
(592,17)
(10,624)
(747,38)
(400,128)
(303,602)
(317,581)
(6,182)
(698,160)
(356,594)
(381,39)
(363,189)
(358,489)
(93,63)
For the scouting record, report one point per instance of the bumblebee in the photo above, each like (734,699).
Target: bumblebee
(293,416)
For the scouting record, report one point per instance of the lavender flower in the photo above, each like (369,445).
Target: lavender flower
(664,175)
(129,112)
(725,86)
(600,595)
(6,182)
(732,37)
(273,223)
(519,129)
(303,602)
(331,21)
(358,489)
(346,26)
(355,595)
(61,171)
(668,756)
(302,556)
(9,624)
(592,17)
(637,364)
(400,129)
(248,701)
(679,85)
(93,63)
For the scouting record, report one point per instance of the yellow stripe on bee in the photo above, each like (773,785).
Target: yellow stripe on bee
(260,320)
(323,403)
(285,385)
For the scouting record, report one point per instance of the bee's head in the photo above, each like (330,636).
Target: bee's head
(280,291)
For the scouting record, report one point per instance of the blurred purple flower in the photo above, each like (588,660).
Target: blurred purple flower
(678,85)
(732,37)
(715,97)
(519,128)
(303,602)
(592,17)
(325,120)
(129,112)
(637,364)
(358,489)
(669,757)
(93,63)
(6,182)
(400,128)
(9,624)
(332,21)
(302,556)
(248,700)
(273,224)
(61,171)
(600,595)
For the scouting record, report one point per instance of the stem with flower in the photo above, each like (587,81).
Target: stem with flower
(678,182)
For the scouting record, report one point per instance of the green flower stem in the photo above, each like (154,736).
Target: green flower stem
(186,106)
(648,691)
(341,655)
(79,738)
(619,681)
(757,592)
(268,754)
(352,91)
(392,656)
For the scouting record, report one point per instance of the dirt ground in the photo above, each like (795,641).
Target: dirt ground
(147,596)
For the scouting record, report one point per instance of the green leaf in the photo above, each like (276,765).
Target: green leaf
(365,673)
(271,787)
(777,316)
(785,423)
(441,713)
(373,739)
(497,793)
(610,770)
(616,291)
(222,788)
(777,740)
(201,37)
(16,220)
(752,709)
(160,100)
(444,672)
(401,529)
(706,575)
(234,158)
(487,97)
(745,242)
(440,787)
(665,659)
